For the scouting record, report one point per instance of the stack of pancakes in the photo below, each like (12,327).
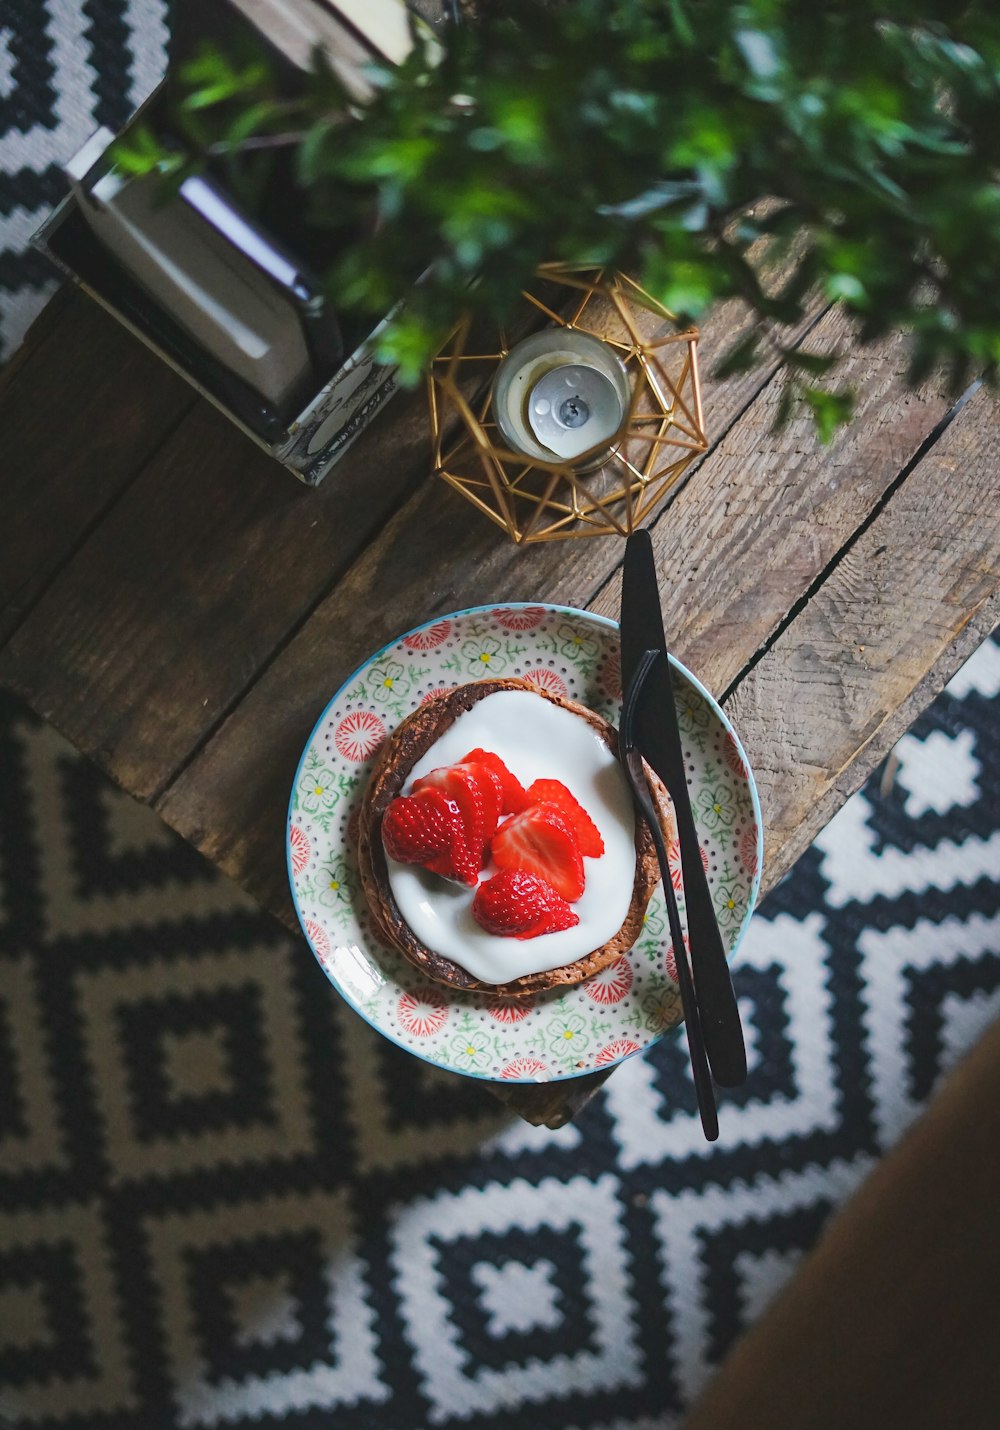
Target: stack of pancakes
(409,742)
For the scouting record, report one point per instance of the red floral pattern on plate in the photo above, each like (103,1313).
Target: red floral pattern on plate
(525,619)
(318,937)
(670,962)
(733,758)
(428,636)
(544,679)
(748,850)
(611,984)
(609,676)
(438,690)
(524,1067)
(300,848)
(616,1049)
(359,735)
(422,1011)
(509,1010)
(674,865)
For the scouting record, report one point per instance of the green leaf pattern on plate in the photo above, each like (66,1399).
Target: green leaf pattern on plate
(318,789)
(715,809)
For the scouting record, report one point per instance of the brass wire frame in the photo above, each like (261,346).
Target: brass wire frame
(662,433)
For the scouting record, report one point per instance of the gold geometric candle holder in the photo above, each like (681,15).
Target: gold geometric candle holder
(606,492)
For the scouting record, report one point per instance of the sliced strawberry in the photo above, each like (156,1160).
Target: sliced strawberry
(514,797)
(491,789)
(517,903)
(477,802)
(419,827)
(426,828)
(540,841)
(554,792)
(459,862)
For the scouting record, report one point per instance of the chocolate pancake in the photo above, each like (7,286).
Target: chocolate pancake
(408,743)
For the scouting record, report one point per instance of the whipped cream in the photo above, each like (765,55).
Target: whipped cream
(536,740)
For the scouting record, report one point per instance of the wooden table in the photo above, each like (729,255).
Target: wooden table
(179,607)
(182,609)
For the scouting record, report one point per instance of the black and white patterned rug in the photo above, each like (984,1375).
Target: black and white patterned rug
(225,1201)
(66,67)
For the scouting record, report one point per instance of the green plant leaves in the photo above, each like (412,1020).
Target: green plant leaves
(817,364)
(829,409)
(143,153)
(647,132)
(212,77)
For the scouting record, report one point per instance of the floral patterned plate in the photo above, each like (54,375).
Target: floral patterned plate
(614,1014)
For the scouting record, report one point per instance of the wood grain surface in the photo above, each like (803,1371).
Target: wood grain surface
(167,611)
(197,607)
(171,607)
(82,408)
(231,804)
(912,596)
(771,510)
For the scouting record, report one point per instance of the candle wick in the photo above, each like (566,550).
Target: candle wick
(574,412)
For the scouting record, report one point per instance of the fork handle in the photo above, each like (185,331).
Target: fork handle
(704,1090)
(692,1016)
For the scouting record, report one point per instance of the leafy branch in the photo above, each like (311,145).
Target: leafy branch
(644,135)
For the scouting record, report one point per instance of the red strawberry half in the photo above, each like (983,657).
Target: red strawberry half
(423,828)
(555,793)
(475,793)
(514,797)
(516,903)
(540,842)
(491,789)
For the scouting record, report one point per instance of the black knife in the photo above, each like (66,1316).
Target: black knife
(659,740)
(635,771)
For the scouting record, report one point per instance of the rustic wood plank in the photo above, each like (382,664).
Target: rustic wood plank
(83,406)
(37,334)
(914,596)
(772,508)
(911,598)
(229,802)
(891,1321)
(385,587)
(192,581)
(163,619)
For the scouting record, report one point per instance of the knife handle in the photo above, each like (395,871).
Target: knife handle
(720,1014)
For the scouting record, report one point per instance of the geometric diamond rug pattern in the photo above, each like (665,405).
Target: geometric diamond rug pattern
(226,1201)
(66,68)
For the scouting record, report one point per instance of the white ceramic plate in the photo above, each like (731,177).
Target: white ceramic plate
(616,1013)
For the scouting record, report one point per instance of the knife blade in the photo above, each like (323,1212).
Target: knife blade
(659,740)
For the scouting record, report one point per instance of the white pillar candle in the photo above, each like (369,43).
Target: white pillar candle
(560,394)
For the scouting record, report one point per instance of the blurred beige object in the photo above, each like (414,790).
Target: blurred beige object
(385,24)
(891,1320)
(351,34)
